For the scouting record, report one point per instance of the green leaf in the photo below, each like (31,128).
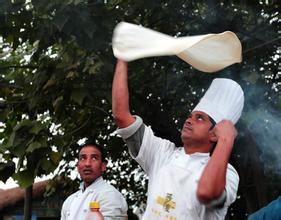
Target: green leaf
(33,102)
(10,39)
(6,170)
(33,146)
(37,127)
(24,178)
(23,123)
(11,140)
(76,2)
(49,83)
(57,102)
(78,96)
(3,114)
(19,148)
(47,165)
(95,68)
(55,157)
(71,75)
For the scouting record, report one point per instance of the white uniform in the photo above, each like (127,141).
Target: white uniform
(112,203)
(173,179)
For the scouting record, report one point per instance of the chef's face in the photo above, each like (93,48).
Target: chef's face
(196,129)
(90,164)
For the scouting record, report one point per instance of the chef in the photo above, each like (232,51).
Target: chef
(189,182)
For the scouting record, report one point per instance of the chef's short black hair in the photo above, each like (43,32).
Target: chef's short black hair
(213,122)
(99,147)
(213,125)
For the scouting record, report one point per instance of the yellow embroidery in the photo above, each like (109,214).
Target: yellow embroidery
(167,202)
(170,217)
(163,216)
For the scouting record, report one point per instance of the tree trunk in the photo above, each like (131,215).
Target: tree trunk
(28,203)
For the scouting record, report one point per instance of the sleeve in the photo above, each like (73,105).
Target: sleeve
(153,151)
(66,207)
(217,203)
(231,188)
(130,130)
(113,205)
(220,206)
(229,194)
(133,135)
(63,212)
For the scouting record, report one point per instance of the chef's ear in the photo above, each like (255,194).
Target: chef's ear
(212,136)
(103,166)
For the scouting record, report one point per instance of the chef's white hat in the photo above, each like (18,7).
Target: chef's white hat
(224,99)
(207,53)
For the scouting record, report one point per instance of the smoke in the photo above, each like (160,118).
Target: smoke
(263,121)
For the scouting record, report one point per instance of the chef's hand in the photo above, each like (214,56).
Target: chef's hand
(224,130)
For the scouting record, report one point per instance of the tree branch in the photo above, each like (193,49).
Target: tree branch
(261,45)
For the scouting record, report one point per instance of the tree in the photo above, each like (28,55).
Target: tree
(56,74)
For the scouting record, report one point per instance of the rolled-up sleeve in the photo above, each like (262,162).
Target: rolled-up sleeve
(232,182)
(127,132)
(133,136)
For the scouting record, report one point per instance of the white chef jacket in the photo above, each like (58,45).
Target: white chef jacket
(173,179)
(112,203)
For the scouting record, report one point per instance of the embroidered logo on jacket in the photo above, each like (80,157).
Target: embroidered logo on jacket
(166,202)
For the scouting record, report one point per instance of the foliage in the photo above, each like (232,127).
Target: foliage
(56,73)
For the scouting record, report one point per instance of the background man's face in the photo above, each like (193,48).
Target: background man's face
(90,165)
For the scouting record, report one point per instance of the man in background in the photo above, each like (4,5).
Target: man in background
(91,165)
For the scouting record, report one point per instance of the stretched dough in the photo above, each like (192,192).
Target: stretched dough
(207,53)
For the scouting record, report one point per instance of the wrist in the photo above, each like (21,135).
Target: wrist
(226,141)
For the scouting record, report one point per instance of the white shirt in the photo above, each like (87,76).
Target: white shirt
(173,180)
(112,203)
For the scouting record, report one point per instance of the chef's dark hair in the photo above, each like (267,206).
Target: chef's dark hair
(213,125)
(95,145)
